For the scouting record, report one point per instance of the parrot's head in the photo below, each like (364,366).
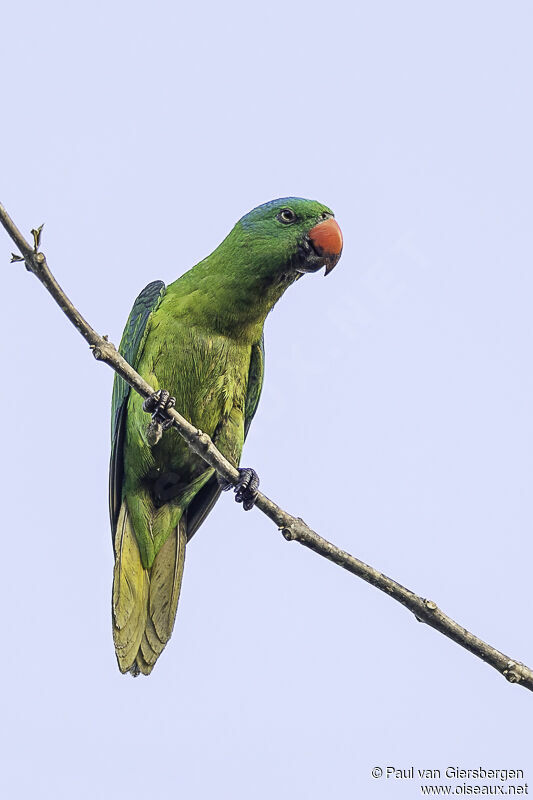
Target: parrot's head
(290,234)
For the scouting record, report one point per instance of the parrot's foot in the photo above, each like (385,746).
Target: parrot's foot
(245,488)
(157,405)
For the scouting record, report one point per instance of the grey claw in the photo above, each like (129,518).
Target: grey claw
(246,488)
(150,403)
(157,405)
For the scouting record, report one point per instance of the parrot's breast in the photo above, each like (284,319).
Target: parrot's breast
(207,374)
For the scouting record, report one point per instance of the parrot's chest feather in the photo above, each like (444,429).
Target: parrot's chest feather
(207,374)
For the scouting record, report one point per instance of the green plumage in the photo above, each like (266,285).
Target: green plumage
(201,339)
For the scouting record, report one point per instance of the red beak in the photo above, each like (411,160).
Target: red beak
(326,238)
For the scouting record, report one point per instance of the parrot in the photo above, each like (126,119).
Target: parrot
(199,343)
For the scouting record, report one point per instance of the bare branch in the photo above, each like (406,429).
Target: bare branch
(292,528)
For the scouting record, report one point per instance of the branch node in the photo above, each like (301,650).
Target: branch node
(430,605)
(103,350)
(15,257)
(34,263)
(287,534)
(512,673)
(203,440)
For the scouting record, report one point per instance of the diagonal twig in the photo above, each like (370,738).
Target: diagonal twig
(292,528)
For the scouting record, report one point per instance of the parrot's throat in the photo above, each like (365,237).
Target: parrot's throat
(243,303)
(232,291)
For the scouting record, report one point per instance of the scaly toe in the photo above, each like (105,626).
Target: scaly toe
(246,488)
(157,405)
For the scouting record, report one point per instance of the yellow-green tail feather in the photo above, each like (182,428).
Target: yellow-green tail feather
(145,601)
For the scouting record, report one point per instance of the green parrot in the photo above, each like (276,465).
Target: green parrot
(199,343)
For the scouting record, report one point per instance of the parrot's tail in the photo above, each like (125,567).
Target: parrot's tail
(144,601)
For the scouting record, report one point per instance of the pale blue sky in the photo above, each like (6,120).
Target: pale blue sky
(396,416)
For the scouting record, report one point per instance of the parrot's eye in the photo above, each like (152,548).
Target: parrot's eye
(286,215)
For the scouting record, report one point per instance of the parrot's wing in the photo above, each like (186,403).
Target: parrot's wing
(206,498)
(131,347)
